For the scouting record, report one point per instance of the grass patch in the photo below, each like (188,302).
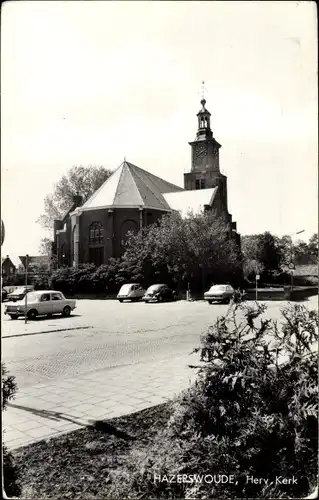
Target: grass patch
(78,465)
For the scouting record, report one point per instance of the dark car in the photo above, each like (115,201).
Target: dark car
(159,293)
(20,293)
(4,294)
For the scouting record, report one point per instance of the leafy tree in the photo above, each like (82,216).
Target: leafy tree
(284,246)
(251,264)
(299,252)
(264,254)
(268,253)
(45,247)
(79,179)
(195,249)
(313,245)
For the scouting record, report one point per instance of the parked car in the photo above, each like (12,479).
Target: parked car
(42,302)
(159,293)
(19,293)
(219,293)
(4,295)
(131,291)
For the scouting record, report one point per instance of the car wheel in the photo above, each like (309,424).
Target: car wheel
(32,314)
(227,301)
(121,300)
(160,299)
(210,302)
(66,311)
(13,316)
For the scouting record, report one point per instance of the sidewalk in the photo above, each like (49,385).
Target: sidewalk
(19,328)
(46,410)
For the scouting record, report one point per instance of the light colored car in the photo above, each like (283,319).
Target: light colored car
(131,291)
(219,293)
(42,302)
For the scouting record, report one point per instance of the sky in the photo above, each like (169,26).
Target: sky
(93,82)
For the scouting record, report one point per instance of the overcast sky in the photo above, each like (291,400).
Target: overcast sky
(92,82)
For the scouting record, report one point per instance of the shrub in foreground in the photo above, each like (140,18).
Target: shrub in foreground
(251,412)
(10,473)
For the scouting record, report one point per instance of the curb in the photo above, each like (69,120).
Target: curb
(46,331)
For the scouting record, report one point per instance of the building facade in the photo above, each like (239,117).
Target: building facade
(8,269)
(131,198)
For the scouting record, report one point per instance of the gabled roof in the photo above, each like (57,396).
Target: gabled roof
(192,201)
(131,186)
(5,260)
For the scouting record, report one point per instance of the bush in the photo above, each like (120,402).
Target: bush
(41,280)
(74,280)
(10,472)
(248,413)
(87,278)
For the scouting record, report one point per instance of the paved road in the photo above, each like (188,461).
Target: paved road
(118,335)
(113,335)
(107,360)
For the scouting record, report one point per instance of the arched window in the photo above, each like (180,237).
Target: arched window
(96,234)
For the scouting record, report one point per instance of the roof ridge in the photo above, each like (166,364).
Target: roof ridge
(156,176)
(132,177)
(119,181)
(148,187)
(94,195)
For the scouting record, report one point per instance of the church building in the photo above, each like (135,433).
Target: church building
(132,198)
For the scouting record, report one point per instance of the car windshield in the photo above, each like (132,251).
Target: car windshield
(33,297)
(126,288)
(153,288)
(19,290)
(218,288)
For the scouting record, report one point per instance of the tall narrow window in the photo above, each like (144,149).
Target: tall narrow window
(96,255)
(96,234)
(96,243)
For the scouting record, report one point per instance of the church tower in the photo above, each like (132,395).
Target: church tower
(205,171)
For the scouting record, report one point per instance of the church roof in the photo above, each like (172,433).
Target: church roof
(131,186)
(193,201)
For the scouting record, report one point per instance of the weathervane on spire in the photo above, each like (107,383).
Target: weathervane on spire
(202,94)
(203,89)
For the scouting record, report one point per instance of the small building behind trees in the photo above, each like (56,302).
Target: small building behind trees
(8,269)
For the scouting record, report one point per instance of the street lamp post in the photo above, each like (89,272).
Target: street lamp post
(291,265)
(26,288)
